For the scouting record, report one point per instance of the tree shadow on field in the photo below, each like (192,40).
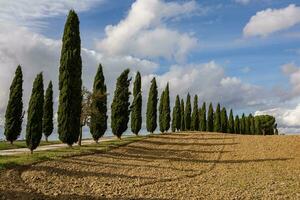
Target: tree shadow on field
(81,173)
(186,143)
(172,151)
(191,138)
(182,159)
(117,165)
(30,195)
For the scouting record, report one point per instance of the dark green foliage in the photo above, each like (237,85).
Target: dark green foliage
(188,111)
(151,112)
(161,112)
(182,124)
(203,117)
(136,108)
(34,128)
(231,122)
(48,112)
(237,128)
(252,125)
(266,124)
(247,125)
(14,110)
(224,120)
(177,113)
(173,125)
(98,121)
(195,115)
(166,109)
(210,118)
(70,83)
(217,119)
(120,105)
(243,124)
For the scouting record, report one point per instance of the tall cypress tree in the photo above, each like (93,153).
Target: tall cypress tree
(48,112)
(177,113)
(34,128)
(247,125)
(231,122)
(14,110)
(166,109)
(188,111)
(210,118)
(151,112)
(120,105)
(243,124)
(224,120)
(161,112)
(98,123)
(252,124)
(203,117)
(182,124)
(217,119)
(195,115)
(70,83)
(173,125)
(237,128)
(136,108)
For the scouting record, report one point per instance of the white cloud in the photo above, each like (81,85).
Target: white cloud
(242,1)
(143,32)
(272,20)
(287,118)
(210,83)
(293,73)
(32,13)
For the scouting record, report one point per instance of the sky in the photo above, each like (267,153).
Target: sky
(244,54)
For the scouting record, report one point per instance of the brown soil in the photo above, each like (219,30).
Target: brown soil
(174,166)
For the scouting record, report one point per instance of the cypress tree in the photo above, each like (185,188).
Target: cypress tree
(70,83)
(247,125)
(210,118)
(182,124)
(188,111)
(237,129)
(203,117)
(34,128)
(14,111)
(252,125)
(98,122)
(136,108)
(177,113)
(151,112)
(120,105)
(217,119)
(173,126)
(195,115)
(161,112)
(48,112)
(166,109)
(224,120)
(231,122)
(243,124)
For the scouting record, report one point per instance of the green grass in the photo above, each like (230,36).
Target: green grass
(4,145)
(27,158)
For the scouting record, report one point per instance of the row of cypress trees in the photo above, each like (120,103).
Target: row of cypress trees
(39,115)
(40,109)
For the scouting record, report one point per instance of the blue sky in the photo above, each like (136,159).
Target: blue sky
(244,54)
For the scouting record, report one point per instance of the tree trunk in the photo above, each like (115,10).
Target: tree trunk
(31,151)
(11,142)
(80,136)
(46,139)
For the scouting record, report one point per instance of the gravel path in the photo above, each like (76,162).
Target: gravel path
(173,166)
